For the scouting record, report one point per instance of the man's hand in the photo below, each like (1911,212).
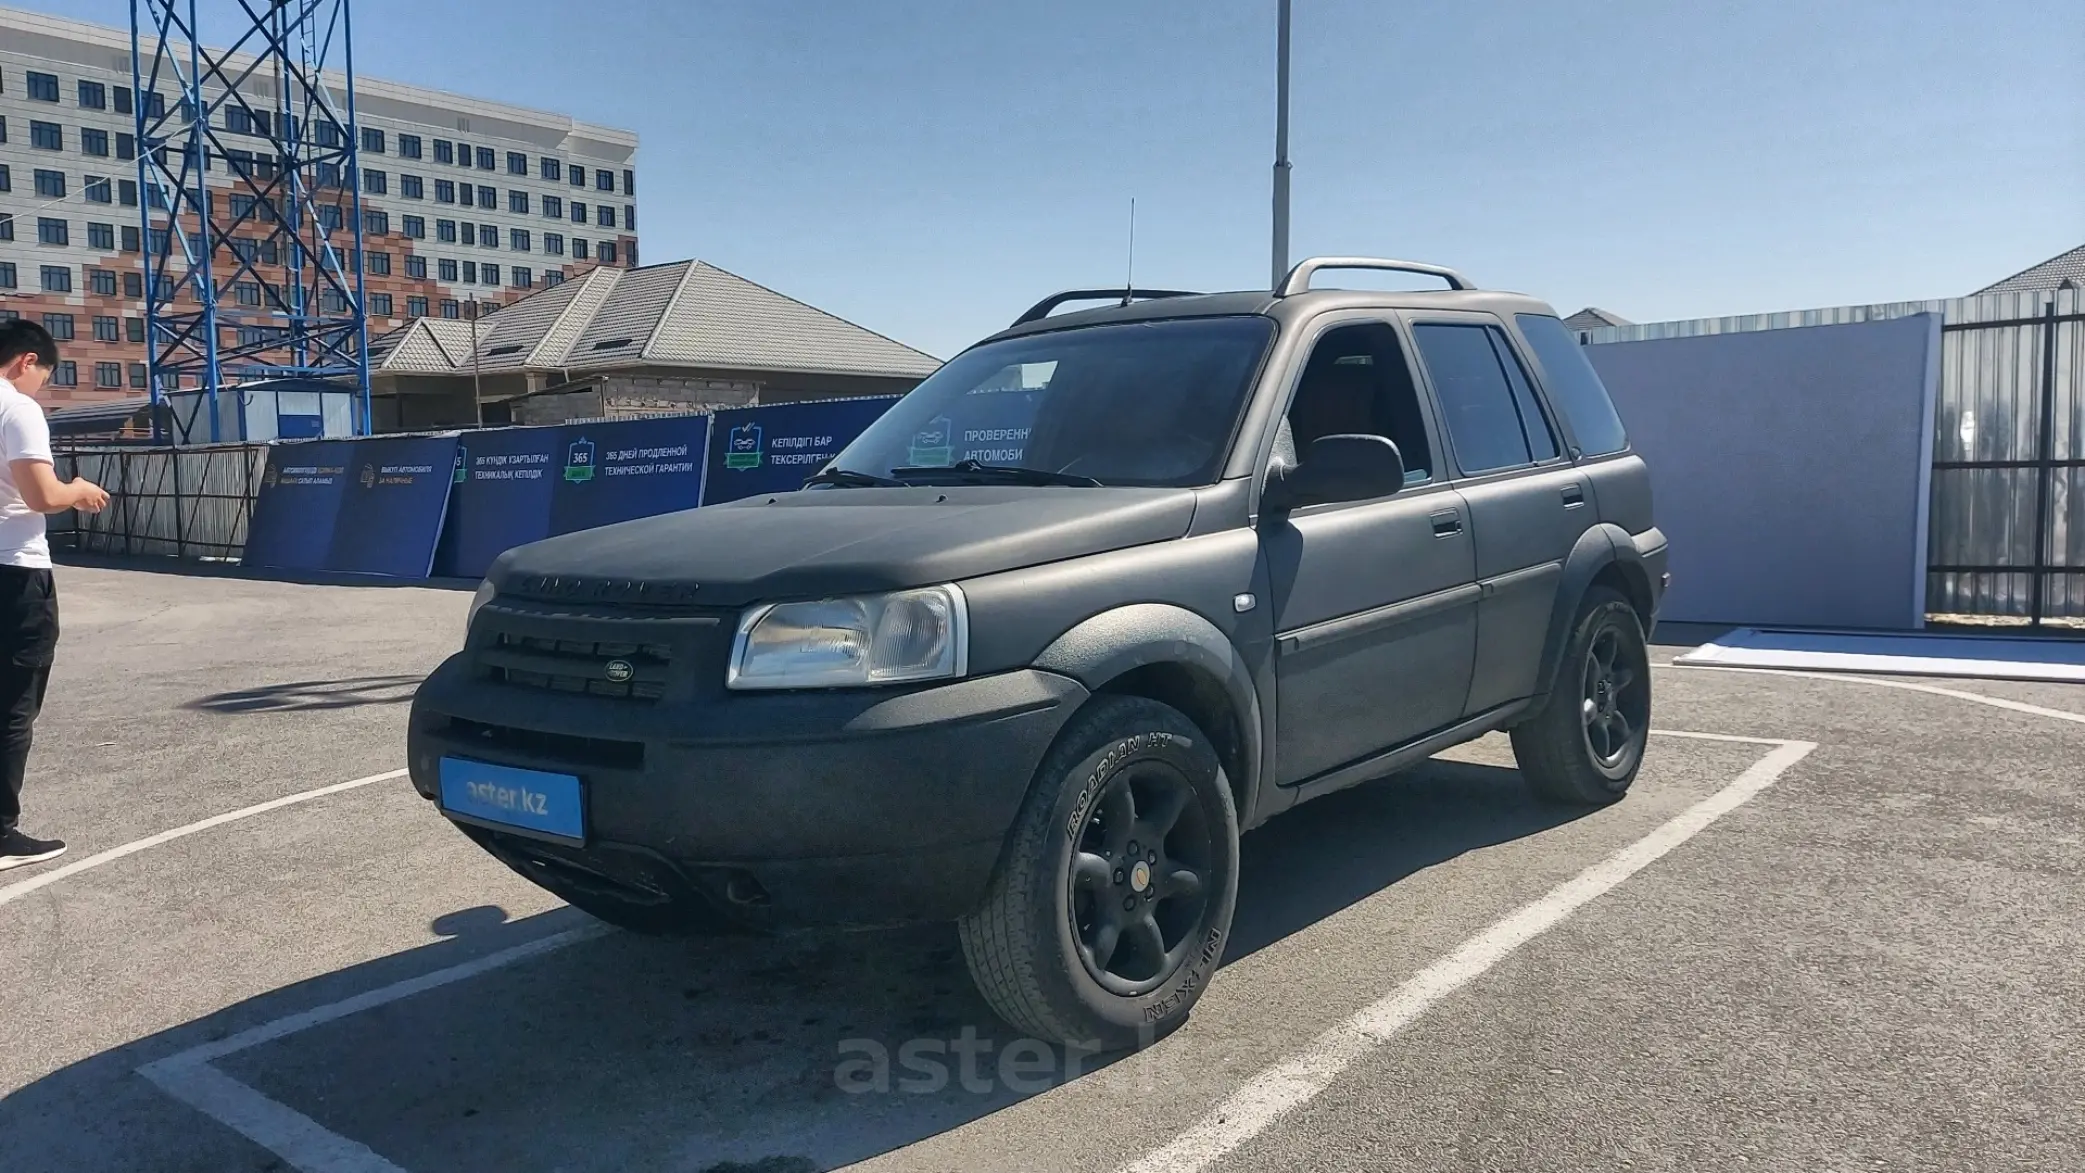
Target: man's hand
(92,497)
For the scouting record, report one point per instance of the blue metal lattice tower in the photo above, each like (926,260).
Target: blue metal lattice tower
(249,198)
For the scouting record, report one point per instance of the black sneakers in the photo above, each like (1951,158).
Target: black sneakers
(18,850)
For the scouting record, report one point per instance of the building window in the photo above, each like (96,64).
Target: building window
(630,217)
(416,227)
(238,120)
(248,292)
(375,182)
(443,151)
(242,206)
(330,217)
(108,329)
(57,279)
(604,180)
(415,307)
(578,212)
(408,146)
(376,222)
(134,286)
(629,182)
(488,236)
(373,140)
(47,136)
(517,239)
(43,87)
(326,134)
(578,248)
(6,178)
(488,159)
(445,191)
(126,146)
(329,175)
(411,187)
(103,237)
(49,231)
(97,189)
(450,309)
(60,326)
(518,202)
(606,252)
(134,329)
(521,277)
(335,301)
(488,199)
(127,192)
(137,375)
(50,184)
(416,267)
(246,250)
(94,142)
(553,277)
(517,163)
(554,244)
(490,274)
(380,304)
(7,278)
(108,374)
(470,232)
(445,267)
(578,175)
(553,207)
(379,264)
(604,215)
(470,271)
(68,372)
(445,230)
(103,283)
(122,96)
(552,169)
(469,196)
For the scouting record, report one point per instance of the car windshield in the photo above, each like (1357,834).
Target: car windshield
(1145,403)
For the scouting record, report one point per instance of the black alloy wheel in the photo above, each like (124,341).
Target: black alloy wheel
(1139,878)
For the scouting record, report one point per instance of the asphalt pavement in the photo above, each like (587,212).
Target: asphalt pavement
(1864,958)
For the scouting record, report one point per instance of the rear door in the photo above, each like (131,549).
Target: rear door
(1528,503)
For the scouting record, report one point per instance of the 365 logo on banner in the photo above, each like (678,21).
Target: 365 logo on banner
(579,461)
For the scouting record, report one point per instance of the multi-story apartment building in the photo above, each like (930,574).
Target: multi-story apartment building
(465,203)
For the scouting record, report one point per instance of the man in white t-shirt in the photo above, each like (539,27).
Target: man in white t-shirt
(29,488)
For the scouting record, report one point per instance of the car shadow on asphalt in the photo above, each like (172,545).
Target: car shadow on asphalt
(782,1054)
(303,696)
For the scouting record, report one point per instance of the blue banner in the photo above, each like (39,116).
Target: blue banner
(771,449)
(298,505)
(501,499)
(371,506)
(610,472)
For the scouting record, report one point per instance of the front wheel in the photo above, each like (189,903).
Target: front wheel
(1112,905)
(1586,743)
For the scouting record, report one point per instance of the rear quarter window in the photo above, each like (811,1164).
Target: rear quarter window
(1574,386)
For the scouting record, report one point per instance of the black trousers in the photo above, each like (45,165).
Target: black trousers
(28,642)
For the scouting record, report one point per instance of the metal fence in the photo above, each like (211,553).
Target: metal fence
(2006,528)
(190,502)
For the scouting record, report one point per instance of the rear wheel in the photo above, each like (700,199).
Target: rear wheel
(1112,905)
(1586,742)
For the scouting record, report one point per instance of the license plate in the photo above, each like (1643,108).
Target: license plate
(527,800)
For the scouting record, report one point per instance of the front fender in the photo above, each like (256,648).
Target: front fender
(1599,548)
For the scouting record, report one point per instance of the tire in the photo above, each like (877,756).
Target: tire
(1585,744)
(1039,946)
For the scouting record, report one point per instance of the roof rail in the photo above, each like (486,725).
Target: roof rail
(1299,277)
(1041,309)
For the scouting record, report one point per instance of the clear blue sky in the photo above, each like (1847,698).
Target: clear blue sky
(929,167)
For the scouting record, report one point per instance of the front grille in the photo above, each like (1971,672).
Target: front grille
(559,747)
(628,671)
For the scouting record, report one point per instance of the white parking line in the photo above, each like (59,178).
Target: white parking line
(16,891)
(1281,1089)
(1996,702)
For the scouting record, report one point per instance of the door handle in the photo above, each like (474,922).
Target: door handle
(1447,523)
(1574,496)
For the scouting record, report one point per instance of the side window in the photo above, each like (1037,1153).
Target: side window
(1481,407)
(1574,387)
(1541,441)
(1358,383)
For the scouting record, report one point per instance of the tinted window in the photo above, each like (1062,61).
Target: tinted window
(1541,441)
(1477,404)
(1574,387)
(1136,404)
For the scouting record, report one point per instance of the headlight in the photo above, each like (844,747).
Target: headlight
(484,596)
(834,643)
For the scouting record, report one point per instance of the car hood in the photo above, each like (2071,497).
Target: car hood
(825,542)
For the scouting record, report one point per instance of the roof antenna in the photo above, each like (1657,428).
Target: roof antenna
(1129,279)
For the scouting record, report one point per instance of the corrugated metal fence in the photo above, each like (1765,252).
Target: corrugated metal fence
(191,502)
(2006,539)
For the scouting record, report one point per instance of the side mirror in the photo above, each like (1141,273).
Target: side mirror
(1339,468)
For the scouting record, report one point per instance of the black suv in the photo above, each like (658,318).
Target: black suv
(1108,588)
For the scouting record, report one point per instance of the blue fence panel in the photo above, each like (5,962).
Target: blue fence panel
(501,499)
(610,472)
(772,448)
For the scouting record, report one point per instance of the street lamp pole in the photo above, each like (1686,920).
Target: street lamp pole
(1281,150)
(477,393)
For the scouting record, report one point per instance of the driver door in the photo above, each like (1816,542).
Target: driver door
(1375,602)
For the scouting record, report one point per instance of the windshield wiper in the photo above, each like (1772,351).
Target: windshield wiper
(850,479)
(982,473)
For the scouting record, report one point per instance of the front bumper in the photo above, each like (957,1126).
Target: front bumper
(841,807)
